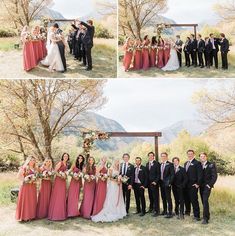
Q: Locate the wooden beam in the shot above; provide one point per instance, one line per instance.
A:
(135, 134)
(62, 20)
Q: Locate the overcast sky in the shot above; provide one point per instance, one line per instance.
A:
(153, 104)
(191, 11)
(74, 8)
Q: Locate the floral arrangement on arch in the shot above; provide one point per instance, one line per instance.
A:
(161, 27)
(90, 137)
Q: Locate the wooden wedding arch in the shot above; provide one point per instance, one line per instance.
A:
(106, 135)
(165, 26)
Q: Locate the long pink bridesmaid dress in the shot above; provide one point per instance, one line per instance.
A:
(145, 55)
(160, 55)
(73, 195)
(127, 60)
(167, 51)
(44, 197)
(88, 197)
(100, 193)
(27, 200)
(57, 206)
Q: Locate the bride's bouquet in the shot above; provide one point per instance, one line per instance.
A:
(124, 179)
(89, 178)
(29, 179)
(103, 177)
(61, 174)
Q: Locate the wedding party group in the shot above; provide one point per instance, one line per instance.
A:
(48, 49)
(106, 190)
(167, 54)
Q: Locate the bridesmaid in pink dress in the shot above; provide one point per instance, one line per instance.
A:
(137, 64)
(145, 53)
(29, 61)
(74, 188)
(128, 48)
(45, 190)
(27, 200)
(153, 52)
(88, 189)
(167, 50)
(160, 54)
(101, 186)
(57, 206)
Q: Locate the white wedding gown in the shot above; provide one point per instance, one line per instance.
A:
(114, 207)
(53, 58)
(173, 63)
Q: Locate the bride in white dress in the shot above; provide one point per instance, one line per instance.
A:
(53, 58)
(114, 207)
(173, 63)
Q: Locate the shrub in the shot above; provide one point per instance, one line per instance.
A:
(9, 163)
(7, 33)
(102, 32)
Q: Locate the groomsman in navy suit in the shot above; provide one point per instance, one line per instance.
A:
(140, 183)
(224, 49)
(153, 174)
(215, 49)
(178, 186)
(194, 173)
(208, 181)
(167, 178)
(127, 169)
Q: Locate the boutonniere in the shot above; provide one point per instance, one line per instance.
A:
(167, 164)
(191, 164)
(140, 170)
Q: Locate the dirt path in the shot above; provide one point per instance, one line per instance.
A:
(104, 60)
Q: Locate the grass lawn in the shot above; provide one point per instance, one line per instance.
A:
(222, 222)
(183, 72)
(104, 61)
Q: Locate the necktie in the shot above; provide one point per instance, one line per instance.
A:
(162, 170)
(150, 164)
(187, 166)
(137, 174)
(125, 169)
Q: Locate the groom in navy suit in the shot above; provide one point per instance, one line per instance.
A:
(61, 46)
(127, 169)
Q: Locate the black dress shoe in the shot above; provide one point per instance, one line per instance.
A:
(197, 218)
(168, 216)
(187, 214)
(155, 214)
(163, 213)
(150, 211)
(142, 214)
(137, 212)
(205, 222)
(88, 69)
(180, 217)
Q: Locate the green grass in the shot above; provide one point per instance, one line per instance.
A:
(184, 72)
(7, 44)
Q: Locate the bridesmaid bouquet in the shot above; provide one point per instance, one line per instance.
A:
(130, 49)
(160, 48)
(46, 174)
(75, 175)
(124, 179)
(103, 177)
(30, 179)
(89, 178)
(62, 175)
(138, 47)
(146, 47)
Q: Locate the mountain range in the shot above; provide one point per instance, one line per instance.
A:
(93, 121)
